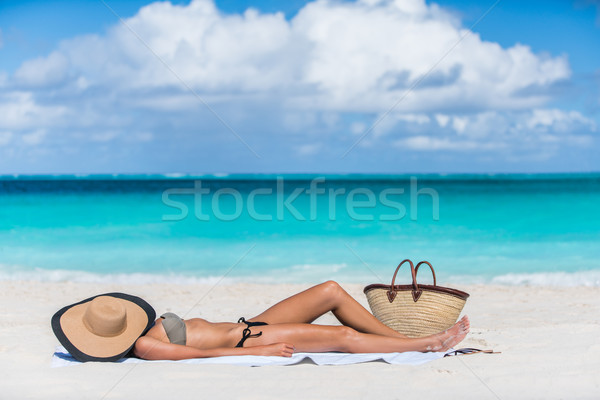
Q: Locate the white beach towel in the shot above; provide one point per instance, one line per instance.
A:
(62, 358)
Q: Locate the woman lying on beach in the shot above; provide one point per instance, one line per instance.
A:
(286, 328)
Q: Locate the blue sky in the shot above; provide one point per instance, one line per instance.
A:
(327, 86)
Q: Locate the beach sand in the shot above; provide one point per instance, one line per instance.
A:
(549, 339)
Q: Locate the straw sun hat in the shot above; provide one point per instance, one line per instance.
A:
(104, 327)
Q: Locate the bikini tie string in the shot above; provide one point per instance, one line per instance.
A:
(247, 333)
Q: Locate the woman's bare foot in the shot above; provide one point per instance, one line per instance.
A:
(450, 337)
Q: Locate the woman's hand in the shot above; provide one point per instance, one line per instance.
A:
(275, 349)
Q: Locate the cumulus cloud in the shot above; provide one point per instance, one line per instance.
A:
(390, 122)
(43, 71)
(427, 143)
(20, 111)
(442, 119)
(327, 57)
(335, 67)
(538, 129)
(558, 120)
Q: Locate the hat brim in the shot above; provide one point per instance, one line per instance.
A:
(85, 346)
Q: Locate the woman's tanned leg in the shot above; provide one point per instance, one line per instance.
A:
(310, 304)
(319, 338)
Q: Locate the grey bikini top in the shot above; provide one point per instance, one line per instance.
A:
(174, 327)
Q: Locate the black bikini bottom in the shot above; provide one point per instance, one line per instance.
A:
(247, 333)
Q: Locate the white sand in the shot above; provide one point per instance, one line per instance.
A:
(549, 339)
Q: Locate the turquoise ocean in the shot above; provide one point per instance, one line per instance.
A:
(504, 229)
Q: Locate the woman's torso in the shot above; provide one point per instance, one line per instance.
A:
(203, 334)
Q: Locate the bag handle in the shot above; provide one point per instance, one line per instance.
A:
(416, 292)
(430, 266)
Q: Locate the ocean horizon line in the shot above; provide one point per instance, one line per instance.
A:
(438, 176)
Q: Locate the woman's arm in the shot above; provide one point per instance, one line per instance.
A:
(150, 348)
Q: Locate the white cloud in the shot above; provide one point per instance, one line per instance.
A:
(20, 111)
(483, 124)
(522, 122)
(459, 124)
(331, 68)
(442, 119)
(356, 67)
(43, 71)
(389, 123)
(428, 143)
(539, 129)
(419, 119)
(328, 57)
(358, 128)
(559, 120)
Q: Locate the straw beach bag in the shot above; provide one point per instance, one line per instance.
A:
(415, 310)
